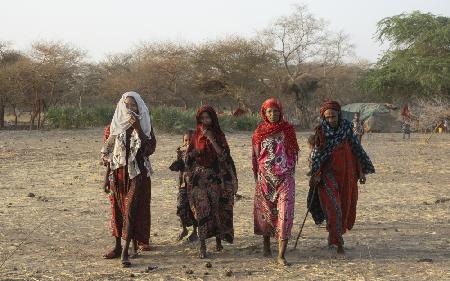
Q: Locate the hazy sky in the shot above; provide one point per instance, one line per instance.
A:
(107, 26)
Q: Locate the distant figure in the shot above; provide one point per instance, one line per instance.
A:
(183, 207)
(358, 126)
(406, 129)
(446, 125)
(238, 112)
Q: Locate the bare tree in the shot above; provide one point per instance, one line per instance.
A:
(303, 44)
(239, 66)
(55, 67)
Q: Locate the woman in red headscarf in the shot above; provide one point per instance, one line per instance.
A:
(275, 151)
(211, 180)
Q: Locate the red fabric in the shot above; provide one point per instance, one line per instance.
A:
(106, 133)
(329, 104)
(339, 191)
(130, 202)
(207, 154)
(266, 128)
(405, 111)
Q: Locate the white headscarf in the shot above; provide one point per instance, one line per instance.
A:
(120, 122)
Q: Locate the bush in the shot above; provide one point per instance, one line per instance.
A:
(69, 117)
(164, 119)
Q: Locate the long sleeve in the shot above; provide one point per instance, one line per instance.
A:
(255, 151)
(148, 145)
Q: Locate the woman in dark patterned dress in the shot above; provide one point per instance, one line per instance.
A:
(212, 181)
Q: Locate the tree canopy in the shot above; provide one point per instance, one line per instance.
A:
(417, 61)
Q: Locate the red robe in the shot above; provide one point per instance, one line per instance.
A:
(339, 191)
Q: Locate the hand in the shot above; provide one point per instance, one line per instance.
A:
(134, 122)
(314, 180)
(104, 160)
(362, 179)
(209, 135)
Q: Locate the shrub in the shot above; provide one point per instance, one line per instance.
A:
(164, 119)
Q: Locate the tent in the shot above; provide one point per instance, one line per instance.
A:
(377, 117)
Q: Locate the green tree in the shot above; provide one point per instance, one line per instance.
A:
(417, 62)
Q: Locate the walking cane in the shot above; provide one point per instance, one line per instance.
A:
(304, 220)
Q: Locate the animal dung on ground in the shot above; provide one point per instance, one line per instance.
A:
(228, 273)
(151, 268)
(31, 195)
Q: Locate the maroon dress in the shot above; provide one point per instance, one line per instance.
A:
(130, 198)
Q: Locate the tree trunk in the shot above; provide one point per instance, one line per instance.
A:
(15, 115)
(32, 116)
(2, 115)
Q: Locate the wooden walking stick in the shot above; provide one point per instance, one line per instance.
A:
(306, 215)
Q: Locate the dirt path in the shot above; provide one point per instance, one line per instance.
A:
(402, 230)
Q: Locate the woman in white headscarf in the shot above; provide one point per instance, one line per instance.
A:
(129, 141)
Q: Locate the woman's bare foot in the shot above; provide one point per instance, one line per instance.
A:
(113, 254)
(182, 234)
(282, 261)
(202, 253)
(340, 251)
(266, 247)
(193, 237)
(134, 251)
(125, 260)
(282, 246)
(219, 246)
(144, 247)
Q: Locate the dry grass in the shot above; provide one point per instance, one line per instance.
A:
(399, 224)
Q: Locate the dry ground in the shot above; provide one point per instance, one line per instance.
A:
(402, 230)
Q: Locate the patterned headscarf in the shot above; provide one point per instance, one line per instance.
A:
(329, 104)
(332, 137)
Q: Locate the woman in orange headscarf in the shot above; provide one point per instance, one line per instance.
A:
(211, 180)
(275, 152)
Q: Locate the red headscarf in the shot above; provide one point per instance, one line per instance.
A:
(266, 128)
(329, 104)
(200, 143)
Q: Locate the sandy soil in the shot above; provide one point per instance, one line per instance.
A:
(402, 230)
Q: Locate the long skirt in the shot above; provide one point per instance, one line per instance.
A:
(184, 211)
(130, 204)
(275, 216)
(212, 202)
(339, 193)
